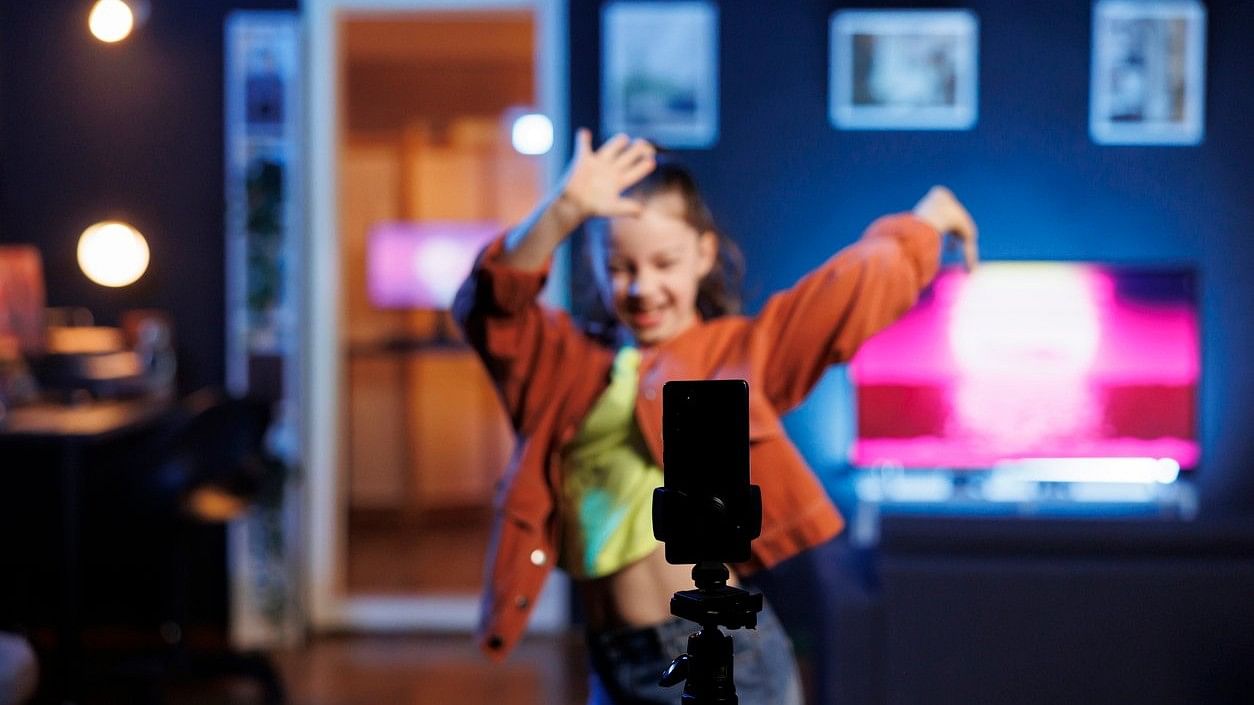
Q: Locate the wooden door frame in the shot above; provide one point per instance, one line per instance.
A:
(330, 606)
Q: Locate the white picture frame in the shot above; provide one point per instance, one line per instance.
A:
(659, 72)
(1147, 84)
(903, 70)
(265, 229)
(264, 142)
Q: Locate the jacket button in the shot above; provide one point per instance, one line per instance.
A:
(539, 557)
(495, 642)
(521, 602)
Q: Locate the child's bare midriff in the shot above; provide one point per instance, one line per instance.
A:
(636, 596)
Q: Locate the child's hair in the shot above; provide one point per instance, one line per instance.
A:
(718, 293)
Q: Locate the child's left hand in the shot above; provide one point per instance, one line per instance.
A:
(942, 210)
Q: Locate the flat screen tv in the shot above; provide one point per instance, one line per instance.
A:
(420, 264)
(1025, 361)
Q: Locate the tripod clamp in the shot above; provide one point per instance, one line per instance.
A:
(707, 665)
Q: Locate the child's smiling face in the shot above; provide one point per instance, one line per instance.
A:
(656, 263)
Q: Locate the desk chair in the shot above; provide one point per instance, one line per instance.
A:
(212, 463)
(210, 466)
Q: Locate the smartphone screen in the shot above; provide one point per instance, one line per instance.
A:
(705, 437)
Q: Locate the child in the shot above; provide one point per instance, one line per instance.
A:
(588, 415)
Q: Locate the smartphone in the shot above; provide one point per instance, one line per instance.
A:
(708, 510)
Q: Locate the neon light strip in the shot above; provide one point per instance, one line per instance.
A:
(1110, 470)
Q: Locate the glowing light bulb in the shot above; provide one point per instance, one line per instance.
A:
(111, 20)
(112, 253)
(532, 134)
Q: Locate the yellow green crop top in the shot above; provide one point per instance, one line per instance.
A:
(608, 482)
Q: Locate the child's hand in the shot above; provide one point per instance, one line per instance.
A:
(942, 210)
(595, 180)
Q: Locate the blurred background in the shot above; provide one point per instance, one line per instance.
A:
(245, 456)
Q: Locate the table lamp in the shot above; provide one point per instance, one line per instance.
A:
(112, 253)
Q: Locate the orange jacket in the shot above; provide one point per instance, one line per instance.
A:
(549, 374)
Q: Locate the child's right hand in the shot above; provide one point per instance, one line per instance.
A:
(595, 180)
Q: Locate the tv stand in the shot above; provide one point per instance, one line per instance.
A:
(1008, 494)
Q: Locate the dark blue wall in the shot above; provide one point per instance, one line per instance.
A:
(792, 190)
(90, 131)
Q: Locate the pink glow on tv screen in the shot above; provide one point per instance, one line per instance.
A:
(421, 264)
(1033, 360)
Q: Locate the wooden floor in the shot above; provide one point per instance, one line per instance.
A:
(403, 556)
(378, 670)
(433, 670)
(411, 555)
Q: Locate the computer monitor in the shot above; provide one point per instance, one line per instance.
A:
(420, 265)
(22, 298)
(1026, 361)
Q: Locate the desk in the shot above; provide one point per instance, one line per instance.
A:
(68, 431)
(94, 422)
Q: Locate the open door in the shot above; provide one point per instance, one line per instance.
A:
(413, 168)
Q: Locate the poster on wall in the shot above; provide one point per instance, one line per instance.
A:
(659, 72)
(903, 70)
(1148, 72)
(264, 226)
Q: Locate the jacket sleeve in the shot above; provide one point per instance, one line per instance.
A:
(519, 341)
(825, 317)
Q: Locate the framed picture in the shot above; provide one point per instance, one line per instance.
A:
(659, 72)
(903, 70)
(1149, 68)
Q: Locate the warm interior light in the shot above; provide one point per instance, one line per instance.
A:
(532, 134)
(111, 20)
(112, 253)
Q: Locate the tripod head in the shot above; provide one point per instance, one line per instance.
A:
(707, 514)
(714, 603)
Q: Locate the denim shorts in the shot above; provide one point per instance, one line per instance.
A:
(627, 663)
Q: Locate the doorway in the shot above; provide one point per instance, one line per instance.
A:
(411, 104)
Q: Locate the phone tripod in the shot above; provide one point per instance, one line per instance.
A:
(707, 666)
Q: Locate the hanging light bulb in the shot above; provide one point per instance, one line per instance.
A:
(111, 20)
(532, 133)
(113, 254)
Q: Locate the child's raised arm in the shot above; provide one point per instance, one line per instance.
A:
(830, 312)
(592, 186)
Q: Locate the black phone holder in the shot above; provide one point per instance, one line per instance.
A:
(708, 527)
(706, 669)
